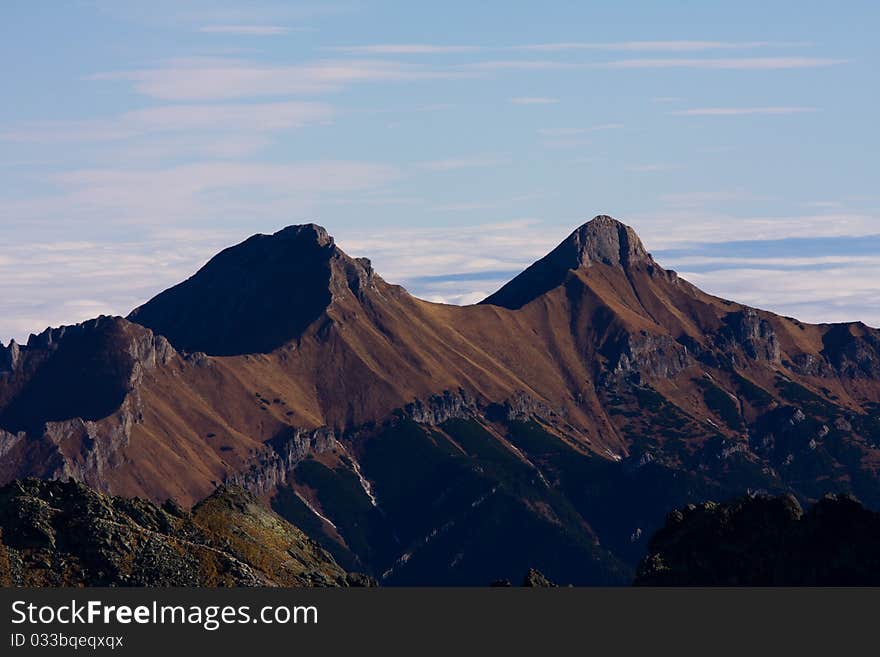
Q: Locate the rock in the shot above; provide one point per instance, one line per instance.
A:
(439, 408)
(853, 350)
(535, 579)
(271, 467)
(9, 357)
(751, 333)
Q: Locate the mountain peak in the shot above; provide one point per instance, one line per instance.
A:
(306, 232)
(250, 298)
(602, 240)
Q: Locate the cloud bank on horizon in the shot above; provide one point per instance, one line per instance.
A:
(739, 143)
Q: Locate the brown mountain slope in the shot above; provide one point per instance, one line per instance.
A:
(592, 393)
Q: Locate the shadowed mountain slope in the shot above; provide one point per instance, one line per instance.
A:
(761, 541)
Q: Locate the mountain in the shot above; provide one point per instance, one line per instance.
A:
(553, 426)
(56, 533)
(766, 541)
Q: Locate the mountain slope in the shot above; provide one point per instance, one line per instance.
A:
(584, 400)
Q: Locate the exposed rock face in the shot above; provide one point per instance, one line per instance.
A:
(604, 240)
(74, 395)
(65, 534)
(647, 356)
(521, 406)
(83, 371)
(273, 467)
(439, 408)
(9, 357)
(853, 351)
(753, 334)
(761, 541)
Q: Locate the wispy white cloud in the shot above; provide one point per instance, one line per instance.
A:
(568, 132)
(222, 78)
(254, 117)
(705, 198)
(452, 164)
(193, 195)
(659, 46)
(404, 49)
(533, 100)
(54, 283)
(656, 167)
(742, 111)
(417, 253)
(839, 294)
(722, 63)
(488, 204)
(565, 46)
(246, 30)
(683, 227)
(521, 65)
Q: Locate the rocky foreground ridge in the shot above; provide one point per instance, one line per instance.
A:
(56, 533)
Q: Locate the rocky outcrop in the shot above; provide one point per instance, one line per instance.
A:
(647, 356)
(853, 350)
(9, 357)
(535, 579)
(66, 534)
(274, 465)
(439, 408)
(763, 541)
(747, 331)
(74, 397)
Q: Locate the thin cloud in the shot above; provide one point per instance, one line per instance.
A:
(702, 198)
(217, 79)
(231, 127)
(522, 65)
(660, 46)
(682, 228)
(742, 111)
(246, 30)
(567, 132)
(652, 168)
(192, 195)
(730, 63)
(404, 49)
(453, 164)
(564, 46)
(534, 100)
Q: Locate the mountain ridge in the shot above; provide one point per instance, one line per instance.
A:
(594, 379)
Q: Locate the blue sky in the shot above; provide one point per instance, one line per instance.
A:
(453, 143)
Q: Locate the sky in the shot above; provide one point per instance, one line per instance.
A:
(452, 143)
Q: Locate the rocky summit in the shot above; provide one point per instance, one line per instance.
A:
(552, 426)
